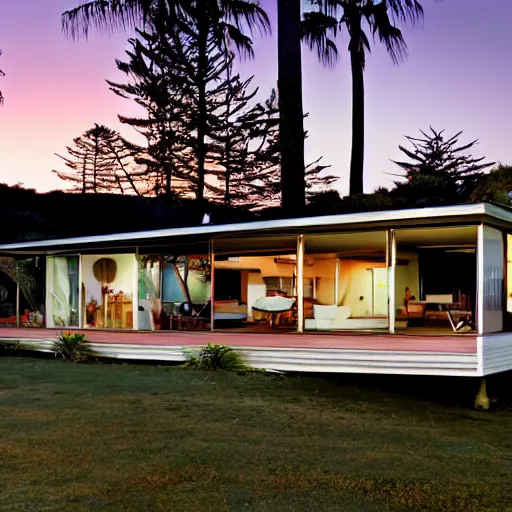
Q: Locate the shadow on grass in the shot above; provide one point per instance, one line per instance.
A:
(446, 391)
(136, 437)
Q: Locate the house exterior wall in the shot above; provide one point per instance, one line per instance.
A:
(495, 353)
(490, 270)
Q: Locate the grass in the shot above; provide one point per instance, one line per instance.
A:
(131, 438)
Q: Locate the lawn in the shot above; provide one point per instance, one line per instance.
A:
(80, 437)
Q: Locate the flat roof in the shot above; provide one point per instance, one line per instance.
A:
(432, 216)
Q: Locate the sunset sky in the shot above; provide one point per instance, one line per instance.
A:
(458, 76)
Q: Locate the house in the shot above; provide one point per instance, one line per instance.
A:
(420, 291)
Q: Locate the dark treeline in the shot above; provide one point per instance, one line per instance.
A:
(437, 170)
(29, 215)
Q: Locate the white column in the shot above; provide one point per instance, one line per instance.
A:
(81, 305)
(212, 283)
(135, 294)
(300, 283)
(48, 306)
(337, 281)
(391, 262)
(18, 312)
(480, 279)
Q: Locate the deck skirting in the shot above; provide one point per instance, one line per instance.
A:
(316, 360)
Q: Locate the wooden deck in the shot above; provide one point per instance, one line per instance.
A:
(440, 344)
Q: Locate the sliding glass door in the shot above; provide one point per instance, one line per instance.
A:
(63, 291)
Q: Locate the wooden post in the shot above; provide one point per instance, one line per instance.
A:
(212, 283)
(391, 261)
(300, 283)
(482, 400)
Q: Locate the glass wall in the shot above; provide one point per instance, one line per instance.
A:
(350, 279)
(62, 301)
(109, 283)
(7, 294)
(436, 280)
(174, 292)
(257, 292)
(30, 275)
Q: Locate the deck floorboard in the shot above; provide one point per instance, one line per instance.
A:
(463, 344)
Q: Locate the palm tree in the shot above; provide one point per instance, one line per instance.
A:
(197, 19)
(106, 16)
(291, 117)
(381, 19)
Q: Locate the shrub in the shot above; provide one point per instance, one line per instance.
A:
(217, 357)
(74, 347)
(8, 347)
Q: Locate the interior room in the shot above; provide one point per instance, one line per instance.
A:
(434, 281)
(347, 282)
(108, 286)
(443, 298)
(354, 294)
(7, 299)
(346, 285)
(30, 274)
(174, 292)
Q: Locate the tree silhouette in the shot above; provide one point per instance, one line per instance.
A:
(496, 187)
(266, 189)
(321, 28)
(156, 83)
(233, 18)
(241, 137)
(207, 23)
(291, 118)
(440, 170)
(100, 162)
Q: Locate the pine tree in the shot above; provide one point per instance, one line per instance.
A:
(158, 86)
(100, 161)
(268, 158)
(124, 174)
(440, 171)
(239, 142)
(206, 136)
(177, 73)
(250, 155)
(81, 163)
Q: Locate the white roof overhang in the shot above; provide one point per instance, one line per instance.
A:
(257, 235)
